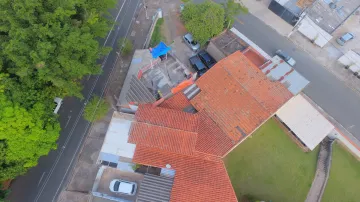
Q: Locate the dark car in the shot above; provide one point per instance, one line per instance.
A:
(206, 58)
(198, 65)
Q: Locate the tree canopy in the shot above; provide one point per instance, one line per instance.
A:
(46, 48)
(96, 109)
(52, 42)
(203, 20)
(25, 135)
(208, 19)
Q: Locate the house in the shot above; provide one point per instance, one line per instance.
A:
(273, 67)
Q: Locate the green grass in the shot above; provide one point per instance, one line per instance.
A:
(269, 166)
(157, 36)
(344, 180)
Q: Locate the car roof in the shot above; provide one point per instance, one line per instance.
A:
(347, 36)
(189, 36)
(125, 187)
(196, 60)
(205, 55)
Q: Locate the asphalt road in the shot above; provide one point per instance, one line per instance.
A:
(331, 94)
(44, 182)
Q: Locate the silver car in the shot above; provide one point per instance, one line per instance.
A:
(286, 57)
(188, 38)
(345, 38)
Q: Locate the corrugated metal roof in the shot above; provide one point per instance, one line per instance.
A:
(308, 124)
(279, 70)
(155, 189)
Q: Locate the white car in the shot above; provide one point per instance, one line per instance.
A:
(58, 102)
(123, 187)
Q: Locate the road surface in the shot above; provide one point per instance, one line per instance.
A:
(44, 182)
(331, 94)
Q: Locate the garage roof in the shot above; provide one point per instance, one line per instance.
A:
(116, 139)
(308, 124)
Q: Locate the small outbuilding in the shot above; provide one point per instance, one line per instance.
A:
(305, 121)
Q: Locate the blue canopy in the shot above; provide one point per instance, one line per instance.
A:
(159, 50)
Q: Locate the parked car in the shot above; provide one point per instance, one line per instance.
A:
(286, 57)
(344, 38)
(58, 103)
(198, 65)
(123, 187)
(206, 58)
(189, 40)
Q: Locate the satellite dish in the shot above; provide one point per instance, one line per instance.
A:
(168, 166)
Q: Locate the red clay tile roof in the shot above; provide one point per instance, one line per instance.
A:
(172, 140)
(211, 139)
(167, 118)
(238, 96)
(196, 179)
(178, 102)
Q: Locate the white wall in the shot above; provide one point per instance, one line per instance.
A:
(313, 32)
(281, 2)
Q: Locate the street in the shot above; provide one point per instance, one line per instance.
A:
(331, 94)
(44, 182)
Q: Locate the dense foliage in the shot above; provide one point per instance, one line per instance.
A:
(203, 20)
(208, 19)
(125, 46)
(46, 47)
(96, 109)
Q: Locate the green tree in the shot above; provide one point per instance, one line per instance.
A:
(203, 20)
(125, 46)
(232, 9)
(25, 135)
(52, 42)
(96, 109)
(46, 48)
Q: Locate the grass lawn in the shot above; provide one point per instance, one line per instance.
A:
(157, 36)
(269, 166)
(344, 180)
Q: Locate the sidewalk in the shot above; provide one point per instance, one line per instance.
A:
(326, 56)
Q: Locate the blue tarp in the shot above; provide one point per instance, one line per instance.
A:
(159, 50)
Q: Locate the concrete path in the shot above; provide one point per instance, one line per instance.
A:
(322, 172)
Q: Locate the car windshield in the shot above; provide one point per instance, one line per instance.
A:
(116, 186)
(347, 37)
(193, 43)
(133, 189)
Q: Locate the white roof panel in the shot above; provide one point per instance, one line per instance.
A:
(117, 135)
(309, 125)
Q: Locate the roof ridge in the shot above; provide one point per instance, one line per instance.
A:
(150, 124)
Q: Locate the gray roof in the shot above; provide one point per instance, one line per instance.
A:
(155, 189)
(138, 92)
(329, 19)
(278, 70)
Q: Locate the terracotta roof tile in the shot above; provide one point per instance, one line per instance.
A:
(211, 139)
(271, 94)
(238, 96)
(178, 102)
(167, 118)
(196, 179)
(172, 140)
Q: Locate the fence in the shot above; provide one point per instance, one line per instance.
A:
(283, 12)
